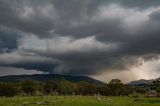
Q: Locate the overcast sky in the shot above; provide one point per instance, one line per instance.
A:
(104, 39)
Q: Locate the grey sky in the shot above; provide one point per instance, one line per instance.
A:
(79, 37)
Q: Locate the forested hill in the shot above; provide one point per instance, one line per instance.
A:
(141, 82)
(46, 77)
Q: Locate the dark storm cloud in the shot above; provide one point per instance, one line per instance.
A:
(155, 16)
(41, 18)
(141, 4)
(8, 40)
(17, 59)
(25, 16)
(41, 66)
(130, 25)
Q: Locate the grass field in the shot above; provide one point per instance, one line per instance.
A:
(79, 101)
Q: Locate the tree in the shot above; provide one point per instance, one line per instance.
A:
(49, 87)
(86, 88)
(156, 84)
(64, 87)
(116, 86)
(104, 90)
(29, 87)
(7, 89)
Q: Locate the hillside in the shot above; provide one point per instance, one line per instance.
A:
(45, 77)
(141, 82)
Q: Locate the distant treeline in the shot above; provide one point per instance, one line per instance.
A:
(63, 87)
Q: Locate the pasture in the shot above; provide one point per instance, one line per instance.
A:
(78, 101)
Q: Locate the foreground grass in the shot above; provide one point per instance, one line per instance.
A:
(80, 101)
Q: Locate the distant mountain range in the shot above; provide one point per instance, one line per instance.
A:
(45, 77)
(56, 77)
(141, 82)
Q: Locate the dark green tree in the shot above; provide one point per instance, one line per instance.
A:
(49, 87)
(29, 87)
(156, 84)
(116, 87)
(8, 89)
(85, 88)
(64, 87)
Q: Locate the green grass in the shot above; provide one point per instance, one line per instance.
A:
(80, 101)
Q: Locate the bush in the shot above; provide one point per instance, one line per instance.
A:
(8, 90)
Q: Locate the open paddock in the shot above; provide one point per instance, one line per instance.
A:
(79, 101)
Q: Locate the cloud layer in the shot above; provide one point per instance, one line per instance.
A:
(79, 37)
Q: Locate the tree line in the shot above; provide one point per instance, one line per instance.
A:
(63, 87)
